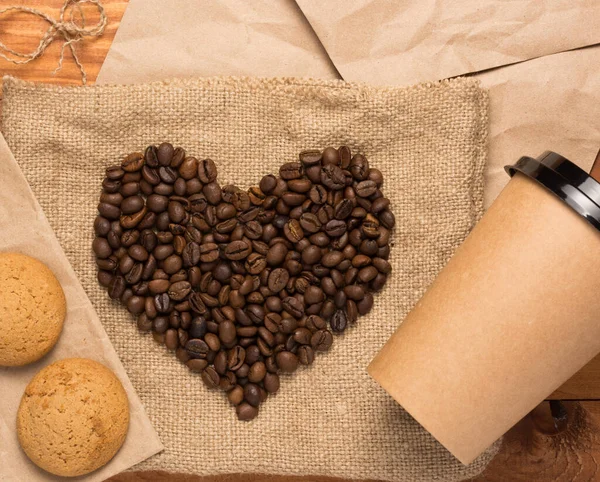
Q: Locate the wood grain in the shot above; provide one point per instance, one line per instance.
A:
(22, 32)
(536, 449)
(540, 448)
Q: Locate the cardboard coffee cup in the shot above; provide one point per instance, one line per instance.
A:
(513, 315)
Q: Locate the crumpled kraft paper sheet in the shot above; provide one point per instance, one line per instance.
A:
(170, 38)
(25, 229)
(551, 103)
(402, 43)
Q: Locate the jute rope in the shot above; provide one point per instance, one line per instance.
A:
(69, 30)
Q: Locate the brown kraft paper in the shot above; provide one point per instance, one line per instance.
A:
(169, 38)
(25, 229)
(401, 43)
(511, 317)
(330, 419)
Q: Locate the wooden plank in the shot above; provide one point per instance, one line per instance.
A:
(540, 448)
(584, 385)
(22, 32)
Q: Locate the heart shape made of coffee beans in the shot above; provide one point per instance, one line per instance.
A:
(243, 285)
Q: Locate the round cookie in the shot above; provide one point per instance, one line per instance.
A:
(32, 310)
(73, 417)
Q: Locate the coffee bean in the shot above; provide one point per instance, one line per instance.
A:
(321, 340)
(209, 252)
(245, 411)
(333, 177)
(101, 248)
(196, 364)
(191, 254)
(237, 250)
(293, 306)
(188, 168)
(338, 321)
(197, 348)
(165, 153)
(212, 341)
(286, 361)
(171, 339)
(332, 259)
(179, 290)
(366, 188)
(236, 358)
(207, 171)
(278, 279)
(359, 167)
(290, 170)
(306, 355)
(335, 227)
(133, 162)
(210, 377)
(257, 372)
(293, 230)
(310, 157)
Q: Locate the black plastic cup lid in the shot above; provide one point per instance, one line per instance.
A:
(566, 180)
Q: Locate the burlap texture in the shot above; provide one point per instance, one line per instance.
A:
(330, 418)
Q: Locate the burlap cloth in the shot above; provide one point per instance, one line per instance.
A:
(329, 419)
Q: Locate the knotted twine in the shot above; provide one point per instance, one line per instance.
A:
(69, 30)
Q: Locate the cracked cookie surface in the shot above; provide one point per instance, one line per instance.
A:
(73, 417)
(32, 311)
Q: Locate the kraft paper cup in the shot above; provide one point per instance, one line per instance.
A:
(513, 315)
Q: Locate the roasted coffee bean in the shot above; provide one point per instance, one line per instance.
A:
(162, 302)
(286, 361)
(315, 323)
(210, 377)
(293, 231)
(197, 348)
(335, 227)
(236, 357)
(133, 162)
(101, 248)
(207, 171)
(245, 411)
(237, 250)
(165, 153)
(338, 321)
(290, 170)
(364, 306)
(196, 364)
(257, 372)
(191, 254)
(331, 156)
(114, 173)
(310, 157)
(271, 382)
(179, 290)
(359, 167)
(111, 186)
(293, 306)
(321, 340)
(209, 252)
(305, 354)
(333, 177)
(101, 226)
(278, 279)
(158, 286)
(310, 223)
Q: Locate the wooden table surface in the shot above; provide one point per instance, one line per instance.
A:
(558, 441)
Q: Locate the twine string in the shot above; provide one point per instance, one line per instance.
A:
(69, 30)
